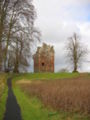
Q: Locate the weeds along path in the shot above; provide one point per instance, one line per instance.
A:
(12, 108)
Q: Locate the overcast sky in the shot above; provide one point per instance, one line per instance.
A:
(57, 20)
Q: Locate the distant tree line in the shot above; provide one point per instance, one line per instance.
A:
(17, 33)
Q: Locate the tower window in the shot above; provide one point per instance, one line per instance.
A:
(43, 64)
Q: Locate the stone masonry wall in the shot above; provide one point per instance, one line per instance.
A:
(44, 59)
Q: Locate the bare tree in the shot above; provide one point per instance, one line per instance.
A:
(20, 53)
(3, 14)
(17, 18)
(75, 51)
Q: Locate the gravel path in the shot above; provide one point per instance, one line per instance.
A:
(12, 108)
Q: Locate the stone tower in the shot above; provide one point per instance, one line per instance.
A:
(44, 59)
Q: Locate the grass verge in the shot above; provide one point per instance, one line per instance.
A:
(3, 103)
(3, 78)
(3, 93)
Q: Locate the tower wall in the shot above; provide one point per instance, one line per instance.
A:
(44, 59)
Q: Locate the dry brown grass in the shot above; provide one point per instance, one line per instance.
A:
(68, 95)
(23, 82)
(2, 83)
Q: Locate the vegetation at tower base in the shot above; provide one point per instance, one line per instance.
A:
(17, 33)
(44, 59)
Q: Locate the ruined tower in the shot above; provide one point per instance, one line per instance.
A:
(44, 59)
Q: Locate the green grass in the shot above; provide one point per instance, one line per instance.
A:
(33, 109)
(44, 76)
(3, 103)
(3, 94)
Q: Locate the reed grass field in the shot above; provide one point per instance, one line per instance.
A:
(69, 95)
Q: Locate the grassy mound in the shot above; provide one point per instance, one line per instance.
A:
(44, 76)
